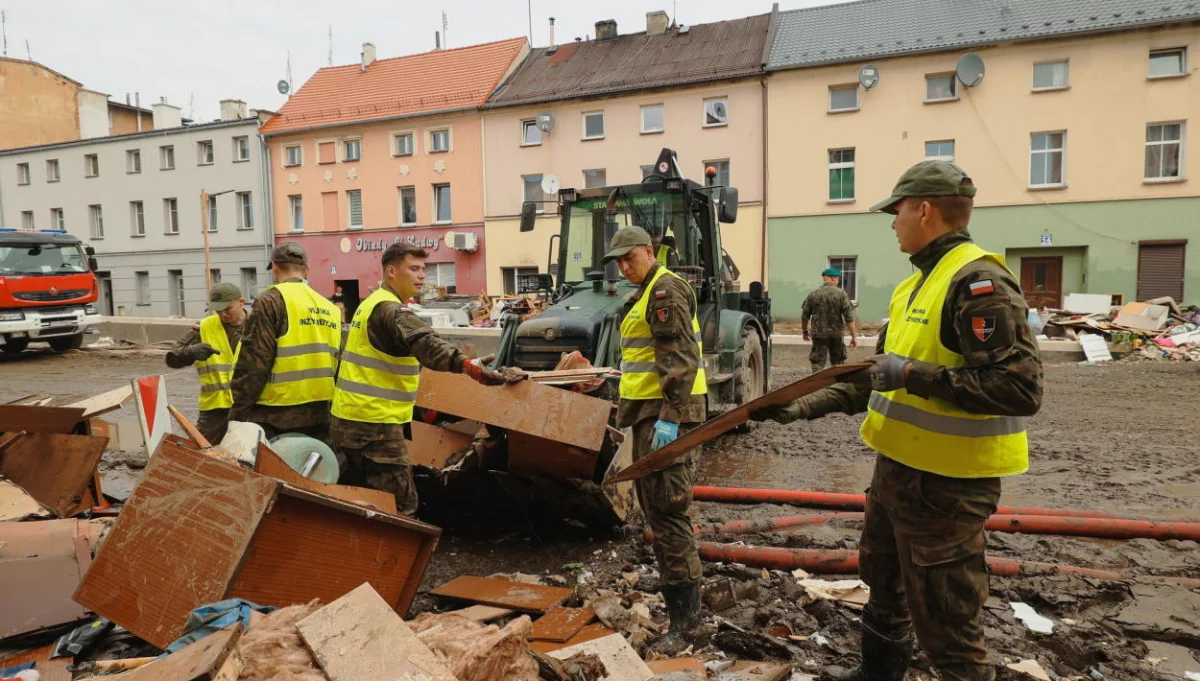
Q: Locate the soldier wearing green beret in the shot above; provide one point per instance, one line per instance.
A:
(827, 315)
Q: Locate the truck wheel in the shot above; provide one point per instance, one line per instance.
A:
(748, 366)
(64, 343)
(15, 346)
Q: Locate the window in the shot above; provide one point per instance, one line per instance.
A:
(843, 98)
(941, 88)
(96, 221)
(440, 274)
(52, 170)
(245, 206)
(441, 203)
(137, 218)
(402, 144)
(354, 200)
(510, 274)
(143, 287)
(716, 112)
(91, 165)
(133, 161)
(942, 150)
(652, 119)
(1168, 63)
(296, 212)
(593, 125)
(326, 152)
(722, 176)
(22, 173)
(204, 153)
(1050, 76)
(215, 276)
(27, 219)
(166, 157)
(1164, 148)
(1046, 159)
(351, 150)
(408, 205)
(439, 141)
(212, 213)
(57, 219)
(594, 178)
(176, 290)
(533, 190)
(293, 155)
(647, 171)
(849, 267)
(249, 283)
(841, 175)
(531, 134)
(241, 149)
(170, 216)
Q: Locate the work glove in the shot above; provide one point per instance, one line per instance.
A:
(885, 374)
(793, 411)
(201, 351)
(665, 432)
(479, 372)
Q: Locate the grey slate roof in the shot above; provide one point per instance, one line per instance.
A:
(869, 29)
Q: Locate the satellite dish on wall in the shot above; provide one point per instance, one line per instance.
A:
(550, 184)
(868, 76)
(969, 70)
(545, 122)
(283, 86)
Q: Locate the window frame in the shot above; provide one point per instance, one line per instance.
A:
(133, 161)
(1183, 62)
(137, 219)
(400, 205)
(431, 134)
(530, 124)
(171, 215)
(96, 220)
(706, 124)
(24, 175)
(213, 223)
(1182, 144)
(1066, 63)
(58, 218)
(412, 142)
(248, 276)
(953, 88)
(342, 147)
(28, 220)
(941, 157)
(142, 280)
(287, 155)
(237, 148)
(245, 207)
(1061, 150)
(295, 201)
(583, 119)
(716, 163)
(350, 226)
(844, 86)
(642, 119)
(91, 165)
(164, 151)
(57, 176)
(603, 183)
(333, 151)
(841, 266)
(437, 204)
(831, 166)
(541, 207)
(201, 145)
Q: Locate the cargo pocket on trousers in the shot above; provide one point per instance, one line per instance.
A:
(953, 576)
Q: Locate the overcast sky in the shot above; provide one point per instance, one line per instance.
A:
(197, 53)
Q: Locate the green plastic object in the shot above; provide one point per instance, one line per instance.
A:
(297, 449)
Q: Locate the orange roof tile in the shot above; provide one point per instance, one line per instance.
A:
(400, 86)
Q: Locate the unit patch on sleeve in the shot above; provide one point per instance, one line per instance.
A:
(662, 314)
(983, 327)
(981, 287)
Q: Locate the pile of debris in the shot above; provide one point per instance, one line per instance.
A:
(490, 310)
(1154, 329)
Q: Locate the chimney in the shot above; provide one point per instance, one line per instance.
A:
(606, 30)
(167, 116)
(551, 31)
(437, 40)
(656, 22)
(232, 109)
(127, 101)
(368, 55)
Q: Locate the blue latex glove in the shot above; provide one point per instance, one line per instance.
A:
(665, 433)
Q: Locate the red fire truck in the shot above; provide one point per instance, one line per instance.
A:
(47, 290)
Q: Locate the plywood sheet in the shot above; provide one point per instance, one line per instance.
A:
(200, 661)
(55, 469)
(589, 633)
(269, 464)
(502, 593)
(41, 564)
(560, 624)
(619, 658)
(358, 637)
(14, 417)
(433, 446)
(543, 411)
(48, 669)
(531, 455)
(483, 613)
(715, 427)
(104, 402)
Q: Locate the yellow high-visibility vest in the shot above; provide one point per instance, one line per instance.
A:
(935, 435)
(216, 372)
(373, 386)
(306, 356)
(639, 380)
(663, 252)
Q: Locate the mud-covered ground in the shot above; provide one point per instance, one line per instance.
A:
(1119, 438)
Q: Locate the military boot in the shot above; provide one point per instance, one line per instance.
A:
(683, 609)
(883, 658)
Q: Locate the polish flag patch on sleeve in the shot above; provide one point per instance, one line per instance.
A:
(979, 288)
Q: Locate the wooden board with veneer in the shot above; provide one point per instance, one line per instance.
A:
(56, 470)
(504, 594)
(434, 446)
(14, 417)
(560, 624)
(212, 658)
(268, 463)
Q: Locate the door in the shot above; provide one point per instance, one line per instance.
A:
(106, 296)
(350, 295)
(1041, 281)
(175, 294)
(1160, 270)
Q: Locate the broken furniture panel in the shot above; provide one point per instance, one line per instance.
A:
(532, 455)
(17, 504)
(41, 564)
(269, 464)
(434, 446)
(503, 593)
(48, 669)
(589, 633)
(17, 417)
(620, 660)
(560, 624)
(104, 402)
(55, 469)
(212, 658)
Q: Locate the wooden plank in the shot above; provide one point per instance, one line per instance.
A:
(620, 660)
(504, 594)
(677, 664)
(531, 455)
(589, 633)
(560, 624)
(39, 419)
(48, 669)
(55, 469)
(104, 402)
(269, 464)
(433, 446)
(483, 613)
(189, 428)
(543, 411)
(715, 427)
(203, 660)
(41, 564)
(359, 638)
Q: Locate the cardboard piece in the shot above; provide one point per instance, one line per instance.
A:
(619, 658)
(198, 530)
(433, 446)
(18, 417)
(1143, 316)
(1095, 348)
(268, 463)
(359, 637)
(715, 427)
(1087, 303)
(212, 658)
(41, 564)
(560, 624)
(55, 469)
(503, 593)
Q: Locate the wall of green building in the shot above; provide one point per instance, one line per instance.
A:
(1099, 242)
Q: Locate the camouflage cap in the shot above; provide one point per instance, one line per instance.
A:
(928, 178)
(625, 240)
(223, 295)
(289, 253)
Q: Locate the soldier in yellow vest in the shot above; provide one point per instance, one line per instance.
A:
(663, 392)
(212, 345)
(958, 372)
(379, 376)
(283, 380)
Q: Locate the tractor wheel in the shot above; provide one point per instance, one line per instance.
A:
(748, 379)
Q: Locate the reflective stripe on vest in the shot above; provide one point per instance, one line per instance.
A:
(306, 356)
(216, 372)
(933, 434)
(373, 386)
(639, 380)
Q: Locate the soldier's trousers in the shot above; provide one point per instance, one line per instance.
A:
(665, 497)
(213, 423)
(922, 553)
(383, 465)
(832, 350)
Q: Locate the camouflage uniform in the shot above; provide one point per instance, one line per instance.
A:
(827, 310)
(665, 496)
(212, 423)
(923, 544)
(375, 453)
(264, 328)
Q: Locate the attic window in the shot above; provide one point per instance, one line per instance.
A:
(716, 112)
